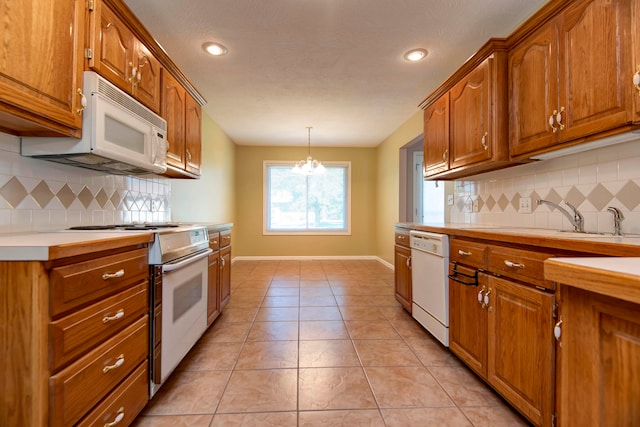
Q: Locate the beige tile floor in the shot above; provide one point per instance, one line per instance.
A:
(321, 343)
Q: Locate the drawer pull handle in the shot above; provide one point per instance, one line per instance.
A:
(117, 419)
(464, 253)
(118, 315)
(107, 276)
(119, 362)
(513, 264)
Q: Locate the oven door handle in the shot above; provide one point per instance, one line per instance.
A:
(166, 268)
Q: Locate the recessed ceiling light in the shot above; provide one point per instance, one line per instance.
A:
(215, 49)
(415, 55)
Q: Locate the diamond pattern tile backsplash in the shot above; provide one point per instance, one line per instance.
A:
(37, 195)
(591, 181)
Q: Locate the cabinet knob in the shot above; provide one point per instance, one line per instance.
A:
(484, 141)
(119, 417)
(119, 273)
(119, 362)
(559, 118)
(552, 119)
(557, 330)
(636, 80)
(83, 101)
(118, 315)
(512, 264)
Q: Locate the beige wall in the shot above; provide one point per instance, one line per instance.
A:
(211, 198)
(248, 238)
(388, 184)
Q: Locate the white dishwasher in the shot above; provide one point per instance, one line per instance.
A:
(430, 285)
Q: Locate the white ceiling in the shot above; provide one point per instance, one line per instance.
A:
(335, 65)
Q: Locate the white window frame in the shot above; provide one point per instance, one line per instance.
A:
(265, 192)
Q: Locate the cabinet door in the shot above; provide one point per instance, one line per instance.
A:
(436, 136)
(41, 64)
(113, 46)
(403, 276)
(470, 114)
(193, 136)
(533, 91)
(521, 348)
(225, 276)
(213, 291)
(595, 67)
(468, 322)
(635, 25)
(599, 360)
(173, 111)
(147, 86)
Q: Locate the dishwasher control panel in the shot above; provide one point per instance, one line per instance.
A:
(437, 244)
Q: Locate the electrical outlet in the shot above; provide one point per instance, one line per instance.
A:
(474, 206)
(525, 205)
(450, 199)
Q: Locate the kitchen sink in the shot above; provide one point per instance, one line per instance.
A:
(562, 234)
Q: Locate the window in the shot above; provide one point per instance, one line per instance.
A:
(300, 204)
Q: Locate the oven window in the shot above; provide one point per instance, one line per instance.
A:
(186, 296)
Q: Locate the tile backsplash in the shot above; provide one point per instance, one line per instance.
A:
(591, 181)
(37, 195)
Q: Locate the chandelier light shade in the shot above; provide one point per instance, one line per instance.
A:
(308, 166)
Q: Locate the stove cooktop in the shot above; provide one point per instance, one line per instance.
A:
(125, 227)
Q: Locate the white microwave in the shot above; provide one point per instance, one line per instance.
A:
(119, 135)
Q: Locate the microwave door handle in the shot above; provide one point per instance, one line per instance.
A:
(166, 268)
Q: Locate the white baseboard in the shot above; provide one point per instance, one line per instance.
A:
(311, 258)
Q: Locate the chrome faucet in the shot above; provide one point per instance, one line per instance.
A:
(617, 220)
(576, 219)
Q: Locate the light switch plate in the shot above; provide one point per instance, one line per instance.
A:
(525, 205)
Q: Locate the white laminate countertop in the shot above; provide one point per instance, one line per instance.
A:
(621, 265)
(36, 246)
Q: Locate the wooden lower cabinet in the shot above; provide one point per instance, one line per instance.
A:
(219, 290)
(225, 276)
(521, 356)
(402, 273)
(503, 331)
(599, 357)
(468, 322)
(75, 337)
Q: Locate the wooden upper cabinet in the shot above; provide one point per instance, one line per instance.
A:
(635, 25)
(436, 136)
(184, 120)
(147, 86)
(121, 58)
(532, 85)
(41, 70)
(571, 79)
(193, 136)
(173, 111)
(466, 121)
(471, 111)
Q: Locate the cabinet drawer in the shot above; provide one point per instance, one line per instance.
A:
(468, 253)
(519, 264)
(80, 283)
(126, 401)
(77, 388)
(225, 238)
(402, 238)
(214, 240)
(77, 333)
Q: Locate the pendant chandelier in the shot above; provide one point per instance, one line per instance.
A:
(308, 166)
